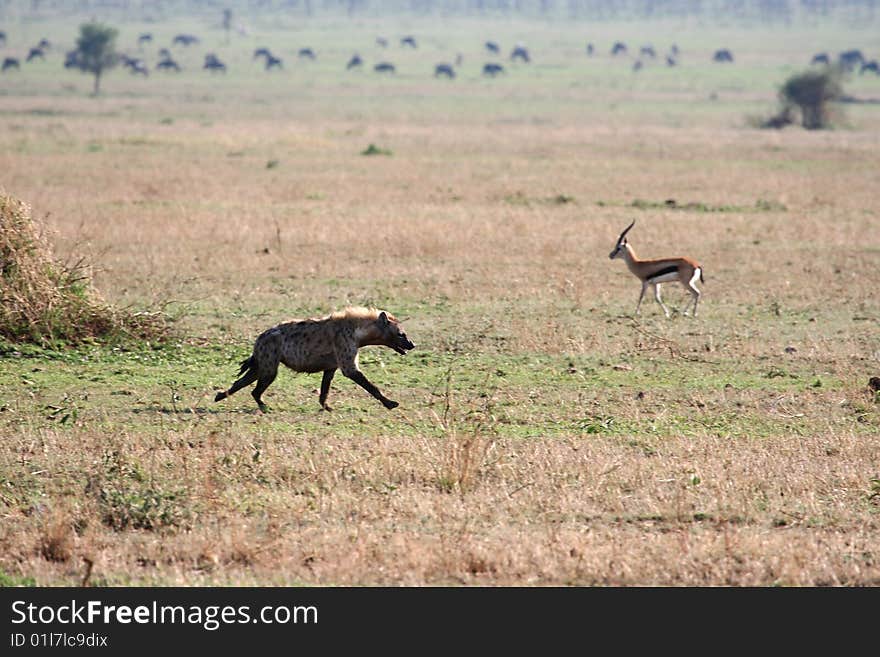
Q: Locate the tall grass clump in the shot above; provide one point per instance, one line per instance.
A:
(46, 303)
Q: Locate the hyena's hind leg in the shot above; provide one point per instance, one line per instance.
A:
(248, 367)
(267, 354)
(265, 380)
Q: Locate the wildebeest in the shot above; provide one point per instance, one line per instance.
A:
(722, 55)
(273, 62)
(870, 67)
(262, 52)
(673, 50)
(306, 53)
(637, 66)
(619, 48)
(213, 64)
(354, 62)
(408, 40)
(185, 40)
(849, 59)
(44, 44)
(670, 60)
(384, 67)
(2, 38)
(321, 345)
(821, 58)
(492, 69)
(35, 53)
(138, 67)
(520, 52)
(168, 64)
(10, 62)
(146, 37)
(382, 42)
(444, 70)
(133, 64)
(71, 59)
(590, 50)
(648, 51)
(164, 53)
(492, 47)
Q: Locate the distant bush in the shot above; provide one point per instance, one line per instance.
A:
(372, 149)
(44, 302)
(807, 94)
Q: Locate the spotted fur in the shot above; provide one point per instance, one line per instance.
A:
(321, 345)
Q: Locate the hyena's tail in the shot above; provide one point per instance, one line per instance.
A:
(247, 364)
(701, 275)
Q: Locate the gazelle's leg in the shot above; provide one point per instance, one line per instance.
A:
(641, 296)
(684, 310)
(692, 288)
(657, 296)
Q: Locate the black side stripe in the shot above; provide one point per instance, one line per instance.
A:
(673, 269)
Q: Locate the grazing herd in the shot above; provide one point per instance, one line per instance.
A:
(646, 53)
(849, 60)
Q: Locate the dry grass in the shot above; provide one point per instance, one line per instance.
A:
(378, 510)
(545, 437)
(45, 302)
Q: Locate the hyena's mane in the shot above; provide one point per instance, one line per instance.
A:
(360, 312)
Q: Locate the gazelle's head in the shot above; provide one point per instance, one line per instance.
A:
(620, 247)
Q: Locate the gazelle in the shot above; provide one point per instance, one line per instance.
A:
(660, 270)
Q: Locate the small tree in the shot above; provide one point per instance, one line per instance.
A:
(811, 92)
(96, 50)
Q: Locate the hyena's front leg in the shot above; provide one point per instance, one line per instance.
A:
(358, 377)
(325, 388)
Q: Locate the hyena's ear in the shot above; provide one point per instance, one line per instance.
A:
(383, 319)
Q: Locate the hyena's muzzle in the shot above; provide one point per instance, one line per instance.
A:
(401, 344)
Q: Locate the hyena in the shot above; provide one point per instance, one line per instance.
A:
(321, 345)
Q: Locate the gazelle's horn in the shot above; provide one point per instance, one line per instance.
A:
(626, 230)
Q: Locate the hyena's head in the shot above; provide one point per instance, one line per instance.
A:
(391, 334)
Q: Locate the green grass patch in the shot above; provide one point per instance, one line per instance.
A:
(150, 390)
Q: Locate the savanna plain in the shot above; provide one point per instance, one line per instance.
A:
(545, 434)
